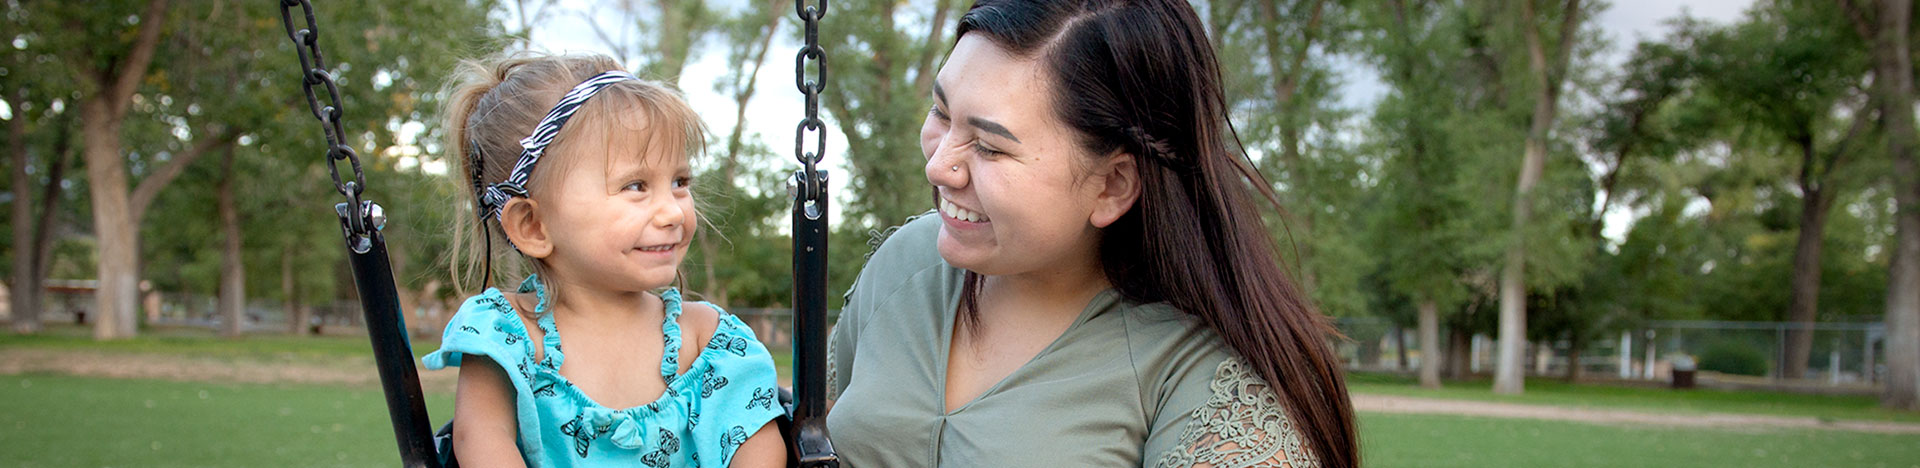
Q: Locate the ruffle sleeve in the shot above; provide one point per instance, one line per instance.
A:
(733, 388)
(486, 325)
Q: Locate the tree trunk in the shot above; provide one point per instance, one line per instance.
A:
(1893, 75)
(24, 300)
(1459, 354)
(233, 274)
(296, 321)
(1814, 207)
(1429, 344)
(116, 235)
(1400, 344)
(1573, 360)
(62, 157)
(117, 295)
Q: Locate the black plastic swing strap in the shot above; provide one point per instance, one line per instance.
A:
(360, 222)
(808, 441)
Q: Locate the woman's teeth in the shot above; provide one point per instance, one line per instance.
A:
(956, 212)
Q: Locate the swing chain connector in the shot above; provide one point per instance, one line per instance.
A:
(314, 74)
(370, 215)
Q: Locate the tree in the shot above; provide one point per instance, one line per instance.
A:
(1547, 73)
(111, 76)
(1887, 25)
(1415, 200)
(1288, 95)
(39, 140)
(748, 267)
(1783, 72)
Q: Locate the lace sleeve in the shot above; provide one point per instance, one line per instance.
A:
(833, 367)
(1241, 425)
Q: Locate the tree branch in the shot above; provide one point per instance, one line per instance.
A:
(129, 72)
(619, 47)
(150, 186)
(1860, 119)
(1284, 88)
(1858, 18)
(1569, 26)
(923, 68)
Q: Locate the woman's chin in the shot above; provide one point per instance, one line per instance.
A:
(960, 255)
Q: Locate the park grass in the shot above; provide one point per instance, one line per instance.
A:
(1556, 392)
(1389, 440)
(82, 421)
(54, 420)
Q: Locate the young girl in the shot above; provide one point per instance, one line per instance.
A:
(582, 170)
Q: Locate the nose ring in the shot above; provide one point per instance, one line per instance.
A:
(956, 168)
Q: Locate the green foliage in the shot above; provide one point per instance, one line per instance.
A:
(1734, 357)
(1406, 200)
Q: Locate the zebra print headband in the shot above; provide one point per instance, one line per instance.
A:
(495, 196)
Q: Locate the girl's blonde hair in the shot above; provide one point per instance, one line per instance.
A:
(493, 103)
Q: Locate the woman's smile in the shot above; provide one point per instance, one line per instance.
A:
(956, 213)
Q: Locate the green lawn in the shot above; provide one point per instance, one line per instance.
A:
(48, 420)
(52, 420)
(1560, 393)
(1444, 441)
(77, 421)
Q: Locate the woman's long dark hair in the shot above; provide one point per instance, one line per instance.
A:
(1140, 76)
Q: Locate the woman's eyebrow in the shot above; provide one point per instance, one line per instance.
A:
(983, 124)
(990, 127)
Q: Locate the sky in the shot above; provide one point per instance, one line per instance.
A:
(776, 109)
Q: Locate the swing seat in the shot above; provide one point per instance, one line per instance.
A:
(443, 438)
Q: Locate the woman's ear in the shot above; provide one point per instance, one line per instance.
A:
(522, 225)
(1118, 179)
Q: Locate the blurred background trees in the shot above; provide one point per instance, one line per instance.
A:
(1448, 167)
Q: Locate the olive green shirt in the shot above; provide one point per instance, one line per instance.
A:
(1127, 384)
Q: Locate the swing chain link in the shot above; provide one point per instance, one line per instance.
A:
(313, 73)
(811, 181)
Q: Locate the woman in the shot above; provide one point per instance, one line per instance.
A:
(1097, 288)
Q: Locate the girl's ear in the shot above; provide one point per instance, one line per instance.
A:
(522, 225)
(1118, 179)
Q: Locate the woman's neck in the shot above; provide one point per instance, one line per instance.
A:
(1063, 290)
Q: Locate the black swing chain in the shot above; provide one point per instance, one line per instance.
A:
(313, 73)
(811, 183)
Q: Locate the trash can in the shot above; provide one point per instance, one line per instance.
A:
(1683, 368)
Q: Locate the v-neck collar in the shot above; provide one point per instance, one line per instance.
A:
(1102, 301)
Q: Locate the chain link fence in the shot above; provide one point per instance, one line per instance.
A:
(1843, 354)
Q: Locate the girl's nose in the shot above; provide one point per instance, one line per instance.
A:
(670, 215)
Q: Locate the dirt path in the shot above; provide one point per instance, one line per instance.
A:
(360, 372)
(1414, 405)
